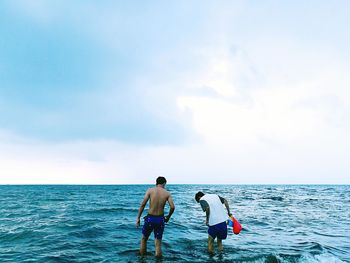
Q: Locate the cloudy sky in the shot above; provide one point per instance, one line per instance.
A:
(200, 91)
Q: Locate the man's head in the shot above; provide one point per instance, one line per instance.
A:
(161, 180)
(198, 196)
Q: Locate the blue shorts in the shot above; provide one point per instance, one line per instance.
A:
(153, 224)
(218, 230)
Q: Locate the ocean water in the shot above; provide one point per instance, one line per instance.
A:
(57, 223)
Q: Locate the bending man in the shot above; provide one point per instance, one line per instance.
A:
(216, 217)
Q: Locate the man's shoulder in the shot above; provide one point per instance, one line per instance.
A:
(150, 190)
(161, 190)
(213, 196)
(166, 192)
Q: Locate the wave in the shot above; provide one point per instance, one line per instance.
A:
(311, 200)
(325, 234)
(112, 210)
(274, 198)
(321, 258)
(282, 258)
(193, 256)
(89, 233)
(16, 236)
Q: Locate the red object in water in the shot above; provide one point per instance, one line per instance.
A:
(236, 226)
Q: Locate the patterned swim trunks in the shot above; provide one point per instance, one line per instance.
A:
(155, 224)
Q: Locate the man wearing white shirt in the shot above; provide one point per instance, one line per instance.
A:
(216, 217)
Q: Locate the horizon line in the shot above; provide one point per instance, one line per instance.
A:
(116, 184)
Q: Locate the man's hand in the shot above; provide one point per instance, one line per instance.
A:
(137, 222)
(166, 219)
(206, 222)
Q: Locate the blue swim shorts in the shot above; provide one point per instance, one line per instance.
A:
(155, 224)
(218, 230)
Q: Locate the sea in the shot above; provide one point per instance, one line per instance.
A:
(96, 223)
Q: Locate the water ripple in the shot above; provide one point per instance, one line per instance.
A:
(97, 224)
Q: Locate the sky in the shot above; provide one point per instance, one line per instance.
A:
(210, 92)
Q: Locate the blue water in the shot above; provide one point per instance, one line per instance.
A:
(97, 224)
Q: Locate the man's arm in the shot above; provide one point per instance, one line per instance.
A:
(205, 206)
(227, 207)
(142, 207)
(172, 208)
(207, 213)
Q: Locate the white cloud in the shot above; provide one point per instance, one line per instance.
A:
(35, 162)
(276, 114)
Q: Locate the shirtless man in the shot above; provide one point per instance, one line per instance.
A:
(154, 221)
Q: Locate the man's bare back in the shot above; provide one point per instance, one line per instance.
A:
(158, 197)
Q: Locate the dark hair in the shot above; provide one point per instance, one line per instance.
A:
(161, 180)
(198, 196)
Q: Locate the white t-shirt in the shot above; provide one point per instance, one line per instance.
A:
(217, 212)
